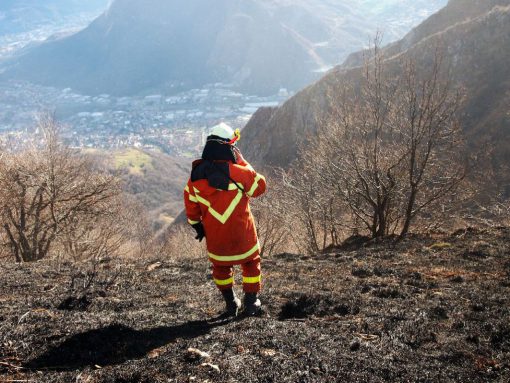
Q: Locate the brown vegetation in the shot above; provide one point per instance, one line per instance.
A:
(53, 199)
(271, 219)
(159, 187)
(154, 180)
(390, 151)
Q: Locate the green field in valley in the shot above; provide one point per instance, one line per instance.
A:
(134, 160)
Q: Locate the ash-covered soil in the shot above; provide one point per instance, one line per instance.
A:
(426, 310)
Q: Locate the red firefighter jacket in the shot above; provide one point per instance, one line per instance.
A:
(224, 209)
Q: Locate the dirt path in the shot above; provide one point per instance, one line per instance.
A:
(430, 310)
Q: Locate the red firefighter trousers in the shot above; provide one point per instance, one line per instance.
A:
(224, 276)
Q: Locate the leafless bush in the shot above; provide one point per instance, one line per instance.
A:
(314, 216)
(389, 152)
(53, 197)
(491, 209)
(138, 227)
(271, 219)
(121, 228)
(181, 244)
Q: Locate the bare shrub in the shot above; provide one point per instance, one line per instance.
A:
(271, 219)
(137, 227)
(52, 196)
(180, 243)
(120, 228)
(316, 221)
(480, 201)
(487, 210)
(389, 152)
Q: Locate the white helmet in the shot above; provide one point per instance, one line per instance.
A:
(222, 130)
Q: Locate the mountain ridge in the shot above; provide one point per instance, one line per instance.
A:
(257, 47)
(470, 44)
(444, 17)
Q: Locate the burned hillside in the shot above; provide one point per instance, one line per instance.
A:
(429, 309)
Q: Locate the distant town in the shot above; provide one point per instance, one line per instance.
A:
(173, 124)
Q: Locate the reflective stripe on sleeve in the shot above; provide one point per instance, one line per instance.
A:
(255, 184)
(252, 279)
(191, 222)
(228, 258)
(191, 197)
(224, 282)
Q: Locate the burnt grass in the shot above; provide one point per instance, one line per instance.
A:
(429, 309)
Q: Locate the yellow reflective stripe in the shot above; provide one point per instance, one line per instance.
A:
(233, 186)
(192, 198)
(191, 222)
(226, 215)
(224, 282)
(228, 258)
(255, 184)
(252, 279)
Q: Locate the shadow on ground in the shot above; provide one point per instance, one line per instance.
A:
(115, 344)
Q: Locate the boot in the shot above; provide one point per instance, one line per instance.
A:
(233, 303)
(252, 305)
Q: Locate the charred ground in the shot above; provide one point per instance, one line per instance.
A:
(430, 309)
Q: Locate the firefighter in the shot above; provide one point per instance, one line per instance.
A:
(217, 199)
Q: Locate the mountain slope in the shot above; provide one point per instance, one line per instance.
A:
(256, 45)
(154, 179)
(477, 41)
(458, 11)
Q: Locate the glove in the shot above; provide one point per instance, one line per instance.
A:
(199, 228)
